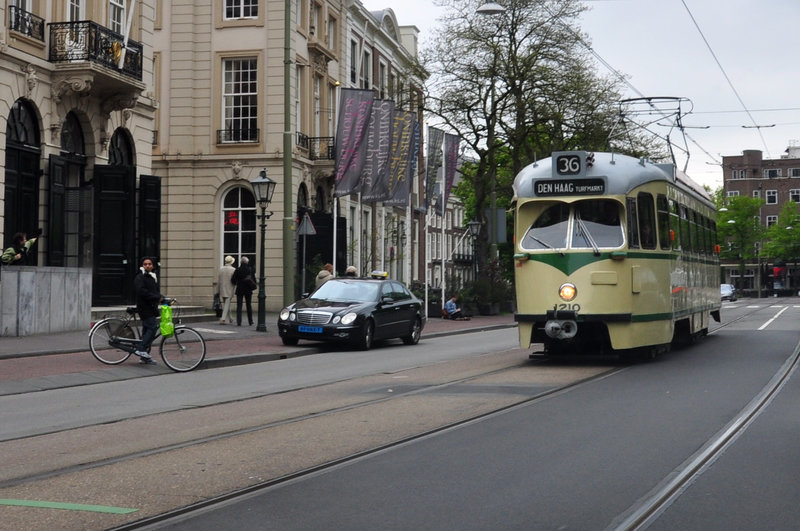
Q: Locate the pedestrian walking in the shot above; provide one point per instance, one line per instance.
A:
(225, 287)
(245, 285)
(325, 274)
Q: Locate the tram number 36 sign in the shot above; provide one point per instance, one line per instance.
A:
(568, 165)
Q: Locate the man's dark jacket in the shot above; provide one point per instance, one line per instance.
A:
(147, 295)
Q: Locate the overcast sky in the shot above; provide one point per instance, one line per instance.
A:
(727, 57)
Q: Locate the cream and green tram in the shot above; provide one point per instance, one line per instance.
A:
(612, 254)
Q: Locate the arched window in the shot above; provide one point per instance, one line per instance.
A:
(21, 188)
(239, 224)
(120, 151)
(72, 135)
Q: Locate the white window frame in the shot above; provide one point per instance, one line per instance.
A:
(771, 173)
(76, 10)
(240, 97)
(772, 197)
(794, 195)
(793, 172)
(116, 16)
(366, 70)
(732, 193)
(240, 9)
(772, 220)
(241, 234)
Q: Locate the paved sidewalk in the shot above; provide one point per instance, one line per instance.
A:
(49, 361)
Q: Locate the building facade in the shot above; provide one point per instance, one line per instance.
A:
(221, 117)
(775, 181)
(77, 138)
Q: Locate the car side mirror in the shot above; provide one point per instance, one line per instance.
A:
(386, 299)
(305, 295)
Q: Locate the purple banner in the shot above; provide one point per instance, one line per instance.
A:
(405, 148)
(435, 140)
(451, 143)
(355, 109)
(375, 177)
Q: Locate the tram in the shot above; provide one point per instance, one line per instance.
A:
(613, 254)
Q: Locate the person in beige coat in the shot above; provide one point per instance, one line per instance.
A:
(226, 289)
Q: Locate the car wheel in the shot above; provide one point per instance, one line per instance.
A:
(289, 341)
(367, 334)
(413, 338)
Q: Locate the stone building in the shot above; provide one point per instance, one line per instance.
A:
(224, 114)
(78, 114)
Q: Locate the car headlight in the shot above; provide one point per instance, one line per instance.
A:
(349, 318)
(284, 315)
(336, 319)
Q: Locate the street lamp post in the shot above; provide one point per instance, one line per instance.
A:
(263, 188)
(490, 9)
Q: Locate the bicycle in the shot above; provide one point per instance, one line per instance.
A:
(112, 340)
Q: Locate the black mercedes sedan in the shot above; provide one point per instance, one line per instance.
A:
(358, 311)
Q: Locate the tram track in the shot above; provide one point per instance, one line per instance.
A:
(500, 376)
(650, 507)
(153, 522)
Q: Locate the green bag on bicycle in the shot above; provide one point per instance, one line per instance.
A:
(167, 326)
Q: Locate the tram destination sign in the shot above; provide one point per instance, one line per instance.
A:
(569, 187)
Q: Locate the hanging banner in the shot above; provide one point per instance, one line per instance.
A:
(405, 148)
(451, 143)
(355, 110)
(435, 140)
(375, 177)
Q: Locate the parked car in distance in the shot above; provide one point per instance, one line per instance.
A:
(358, 311)
(727, 292)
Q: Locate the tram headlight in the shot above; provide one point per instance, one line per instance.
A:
(567, 291)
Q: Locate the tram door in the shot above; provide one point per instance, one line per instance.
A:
(115, 234)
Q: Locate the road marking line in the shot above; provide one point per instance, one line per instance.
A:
(776, 316)
(212, 331)
(68, 506)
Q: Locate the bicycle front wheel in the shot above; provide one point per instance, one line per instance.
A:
(184, 350)
(102, 336)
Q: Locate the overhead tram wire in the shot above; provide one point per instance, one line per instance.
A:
(725, 74)
(622, 78)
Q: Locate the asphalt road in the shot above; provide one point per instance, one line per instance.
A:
(582, 459)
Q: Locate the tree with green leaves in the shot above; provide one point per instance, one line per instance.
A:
(516, 86)
(782, 240)
(740, 231)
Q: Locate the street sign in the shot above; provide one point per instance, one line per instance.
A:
(306, 227)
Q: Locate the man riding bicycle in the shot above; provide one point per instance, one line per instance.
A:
(148, 298)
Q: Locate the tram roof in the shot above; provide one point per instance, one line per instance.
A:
(619, 173)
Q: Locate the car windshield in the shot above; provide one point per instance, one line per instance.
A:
(335, 290)
(592, 224)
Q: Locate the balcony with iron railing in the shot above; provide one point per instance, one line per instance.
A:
(88, 42)
(322, 148)
(25, 23)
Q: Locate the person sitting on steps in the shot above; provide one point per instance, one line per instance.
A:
(452, 310)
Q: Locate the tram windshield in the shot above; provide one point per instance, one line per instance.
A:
(589, 224)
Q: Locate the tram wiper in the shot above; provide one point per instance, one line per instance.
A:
(584, 231)
(545, 244)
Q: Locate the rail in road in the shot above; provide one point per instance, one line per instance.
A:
(208, 450)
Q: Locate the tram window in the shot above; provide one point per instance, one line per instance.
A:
(663, 221)
(633, 224)
(675, 223)
(549, 230)
(686, 241)
(646, 221)
(596, 224)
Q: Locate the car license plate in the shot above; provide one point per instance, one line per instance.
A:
(310, 329)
